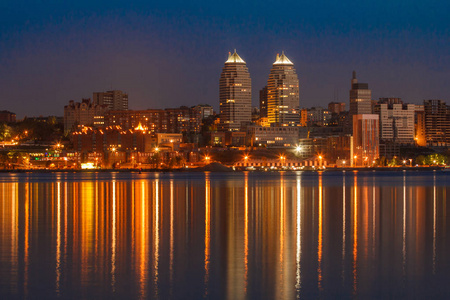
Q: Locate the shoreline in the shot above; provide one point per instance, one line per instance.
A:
(181, 170)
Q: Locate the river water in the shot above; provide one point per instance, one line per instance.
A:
(273, 235)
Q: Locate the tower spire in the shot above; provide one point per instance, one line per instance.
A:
(354, 80)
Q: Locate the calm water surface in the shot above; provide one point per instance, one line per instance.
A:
(225, 235)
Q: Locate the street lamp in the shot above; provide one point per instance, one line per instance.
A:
(354, 160)
(282, 158)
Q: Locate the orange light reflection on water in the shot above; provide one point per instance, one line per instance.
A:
(157, 231)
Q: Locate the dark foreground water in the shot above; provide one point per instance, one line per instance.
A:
(225, 236)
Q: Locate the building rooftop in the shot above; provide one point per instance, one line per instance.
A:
(234, 58)
(282, 60)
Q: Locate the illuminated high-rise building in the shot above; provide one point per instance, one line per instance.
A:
(235, 94)
(283, 103)
(360, 98)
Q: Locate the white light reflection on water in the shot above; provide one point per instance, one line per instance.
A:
(58, 239)
(298, 282)
(434, 223)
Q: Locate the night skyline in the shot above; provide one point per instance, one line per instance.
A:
(167, 55)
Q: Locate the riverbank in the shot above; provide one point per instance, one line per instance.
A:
(222, 168)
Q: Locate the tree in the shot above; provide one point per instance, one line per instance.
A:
(394, 162)
(420, 160)
(5, 132)
(381, 161)
(154, 160)
(436, 159)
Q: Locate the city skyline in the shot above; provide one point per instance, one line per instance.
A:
(66, 52)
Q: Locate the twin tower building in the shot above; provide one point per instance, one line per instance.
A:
(280, 102)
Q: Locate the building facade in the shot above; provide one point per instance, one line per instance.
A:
(316, 116)
(7, 117)
(263, 102)
(419, 126)
(331, 148)
(336, 107)
(437, 123)
(84, 113)
(114, 100)
(396, 120)
(235, 94)
(273, 137)
(283, 102)
(169, 120)
(360, 98)
(204, 110)
(112, 139)
(365, 139)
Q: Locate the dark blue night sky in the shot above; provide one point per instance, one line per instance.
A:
(167, 54)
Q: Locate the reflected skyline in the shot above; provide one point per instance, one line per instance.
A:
(235, 236)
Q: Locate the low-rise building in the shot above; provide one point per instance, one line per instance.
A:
(272, 137)
(169, 120)
(336, 107)
(7, 117)
(315, 116)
